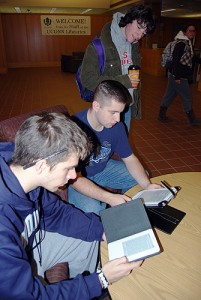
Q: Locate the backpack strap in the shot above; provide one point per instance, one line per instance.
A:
(86, 94)
(100, 51)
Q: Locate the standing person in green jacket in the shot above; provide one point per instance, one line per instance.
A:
(120, 40)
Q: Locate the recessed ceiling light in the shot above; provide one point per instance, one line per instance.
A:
(18, 10)
(53, 10)
(168, 10)
(86, 11)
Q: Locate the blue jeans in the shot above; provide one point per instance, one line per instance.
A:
(173, 89)
(115, 175)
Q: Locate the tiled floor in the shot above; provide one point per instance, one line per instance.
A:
(162, 148)
(166, 148)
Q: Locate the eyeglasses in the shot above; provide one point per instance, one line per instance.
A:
(47, 157)
(142, 28)
(191, 30)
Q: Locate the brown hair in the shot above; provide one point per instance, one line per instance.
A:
(41, 136)
(109, 90)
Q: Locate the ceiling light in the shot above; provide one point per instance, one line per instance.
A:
(18, 10)
(168, 10)
(86, 11)
(53, 10)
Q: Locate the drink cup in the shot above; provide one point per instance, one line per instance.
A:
(134, 73)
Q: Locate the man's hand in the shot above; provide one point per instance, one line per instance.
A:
(134, 81)
(153, 186)
(104, 237)
(116, 199)
(116, 269)
(89, 188)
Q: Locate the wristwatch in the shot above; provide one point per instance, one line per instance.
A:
(102, 279)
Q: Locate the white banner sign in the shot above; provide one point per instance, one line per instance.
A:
(66, 25)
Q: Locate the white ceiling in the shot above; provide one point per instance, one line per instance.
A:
(170, 8)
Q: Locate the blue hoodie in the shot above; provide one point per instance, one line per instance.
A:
(16, 278)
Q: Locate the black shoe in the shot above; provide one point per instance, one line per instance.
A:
(195, 122)
(162, 115)
(164, 119)
(191, 118)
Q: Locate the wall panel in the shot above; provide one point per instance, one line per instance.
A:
(15, 37)
(3, 63)
(26, 46)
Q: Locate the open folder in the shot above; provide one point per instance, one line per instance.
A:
(129, 232)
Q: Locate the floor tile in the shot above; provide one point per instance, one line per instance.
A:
(162, 148)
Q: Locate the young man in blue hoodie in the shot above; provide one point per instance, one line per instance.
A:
(36, 227)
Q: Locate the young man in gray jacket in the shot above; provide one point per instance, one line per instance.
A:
(120, 40)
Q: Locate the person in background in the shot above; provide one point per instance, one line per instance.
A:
(37, 229)
(180, 74)
(102, 124)
(120, 40)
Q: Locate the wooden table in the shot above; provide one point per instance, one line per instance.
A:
(174, 274)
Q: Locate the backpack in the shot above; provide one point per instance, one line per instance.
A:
(167, 56)
(85, 93)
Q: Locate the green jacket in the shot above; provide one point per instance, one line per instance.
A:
(90, 71)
